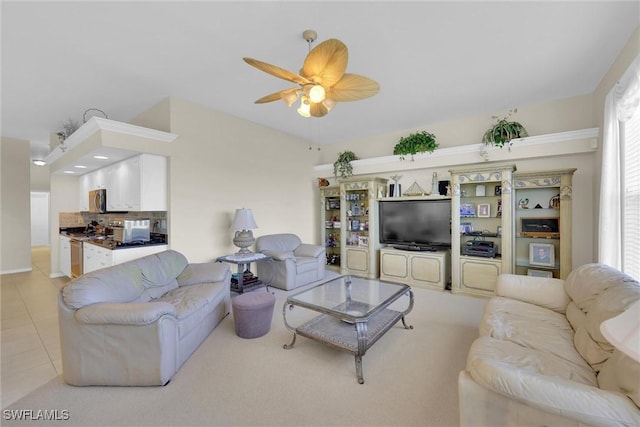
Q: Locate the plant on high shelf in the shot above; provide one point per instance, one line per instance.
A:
(504, 131)
(419, 142)
(343, 166)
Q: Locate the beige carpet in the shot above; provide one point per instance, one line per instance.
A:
(410, 378)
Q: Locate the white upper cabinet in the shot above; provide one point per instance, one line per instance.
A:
(135, 184)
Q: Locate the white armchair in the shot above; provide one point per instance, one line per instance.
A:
(294, 263)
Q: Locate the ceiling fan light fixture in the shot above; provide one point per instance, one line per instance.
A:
(289, 97)
(329, 103)
(305, 107)
(317, 93)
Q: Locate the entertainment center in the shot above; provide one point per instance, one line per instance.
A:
(496, 220)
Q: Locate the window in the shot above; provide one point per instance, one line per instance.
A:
(630, 185)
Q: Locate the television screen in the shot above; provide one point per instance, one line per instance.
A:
(415, 223)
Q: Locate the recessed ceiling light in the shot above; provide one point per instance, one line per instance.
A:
(39, 162)
(80, 167)
(100, 157)
(69, 172)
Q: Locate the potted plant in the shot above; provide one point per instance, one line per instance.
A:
(419, 142)
(504, 131)
(343, 166)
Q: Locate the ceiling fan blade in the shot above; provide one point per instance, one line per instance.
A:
(318, 109)
(277, 96)
(277, 71)
(326, 63)
(353, 87)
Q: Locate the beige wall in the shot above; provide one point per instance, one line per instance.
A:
(15, 201)
(220, 163)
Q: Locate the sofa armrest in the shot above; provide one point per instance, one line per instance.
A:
(585, 403)
(206, 272)
(306, 249)
(278, 255)
(124, 314)
(542, 291)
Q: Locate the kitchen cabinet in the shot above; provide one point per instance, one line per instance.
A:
(90, 181)
(138, 184)
(96, 257)
(65, 255)
(429, 270)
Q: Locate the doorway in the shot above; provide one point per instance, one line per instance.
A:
(40, 235)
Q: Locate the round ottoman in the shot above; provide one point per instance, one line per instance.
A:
(252, 313)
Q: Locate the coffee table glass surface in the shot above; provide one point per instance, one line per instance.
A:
(355, 313)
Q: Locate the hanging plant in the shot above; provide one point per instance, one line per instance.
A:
(420, 142)
(504, 131)
(343, 166)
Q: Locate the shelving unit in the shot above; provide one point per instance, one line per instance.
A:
(543, 203)
(330, 225)
(482, 214)
(359, 242)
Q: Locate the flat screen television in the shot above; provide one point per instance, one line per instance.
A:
(415, 224)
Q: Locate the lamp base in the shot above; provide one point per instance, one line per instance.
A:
(244, 239)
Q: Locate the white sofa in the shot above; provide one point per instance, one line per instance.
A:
(136, 323)
(541, 358)
(294, 263)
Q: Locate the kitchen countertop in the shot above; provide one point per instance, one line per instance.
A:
(108, 243)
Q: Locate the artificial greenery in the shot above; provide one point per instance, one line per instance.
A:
(343, 166)
(420, 142)
(504, 131)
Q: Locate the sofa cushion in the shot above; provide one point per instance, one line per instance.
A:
(191, 304)
(530, 326)
(544, 381)
(304, 264)
(159, 272)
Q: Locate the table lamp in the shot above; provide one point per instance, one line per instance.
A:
(243, 222)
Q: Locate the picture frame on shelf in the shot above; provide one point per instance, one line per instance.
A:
(467, 210)
(539, 273)
(466, 228)
(484, 210)
(363, 241)
(542, 254)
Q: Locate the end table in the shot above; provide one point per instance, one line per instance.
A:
(246, 281)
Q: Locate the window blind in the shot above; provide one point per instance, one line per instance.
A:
(631, 196)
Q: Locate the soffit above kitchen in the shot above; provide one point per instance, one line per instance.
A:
(101, 142)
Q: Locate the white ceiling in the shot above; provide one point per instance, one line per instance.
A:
(434, 61)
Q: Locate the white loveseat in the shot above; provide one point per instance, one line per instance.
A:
(541, 358)
(136, 323)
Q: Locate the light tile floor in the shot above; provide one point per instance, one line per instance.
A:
(29, 339)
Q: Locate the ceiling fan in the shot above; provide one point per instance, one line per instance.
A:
(322, 80)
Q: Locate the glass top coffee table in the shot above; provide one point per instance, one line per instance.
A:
(354, 314)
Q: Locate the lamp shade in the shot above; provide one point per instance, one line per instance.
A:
(243, 220)
(623, 331)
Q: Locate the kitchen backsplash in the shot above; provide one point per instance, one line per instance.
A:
(158, 219)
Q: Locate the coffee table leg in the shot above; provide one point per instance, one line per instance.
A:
(361, 332)
(288, 326)
(359, 369)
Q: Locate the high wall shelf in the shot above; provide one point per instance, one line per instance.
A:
(542, 223)
(481, 214)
